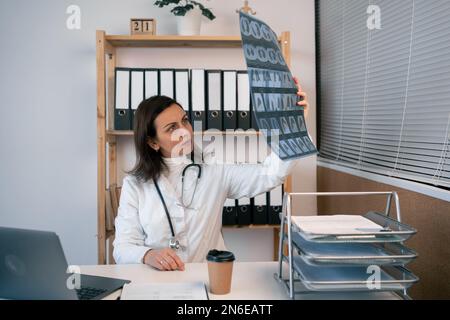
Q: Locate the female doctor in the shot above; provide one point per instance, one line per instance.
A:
(170, 210)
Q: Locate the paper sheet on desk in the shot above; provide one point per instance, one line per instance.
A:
(336, 225)
(165, 291)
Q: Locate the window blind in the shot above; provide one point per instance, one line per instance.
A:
(385, 93)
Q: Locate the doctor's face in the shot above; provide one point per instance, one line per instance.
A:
(173, 133)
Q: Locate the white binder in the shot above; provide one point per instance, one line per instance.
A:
(166, 82)
(137, 88)
(182, 88)
(198, 97)
(151, 83)
(122, 86)
(122, 100)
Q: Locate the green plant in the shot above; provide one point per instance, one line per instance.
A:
(183, 6)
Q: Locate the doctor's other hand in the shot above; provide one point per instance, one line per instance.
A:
(163, 259)
(304, 103)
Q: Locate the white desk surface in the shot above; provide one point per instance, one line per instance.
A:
(251, 281)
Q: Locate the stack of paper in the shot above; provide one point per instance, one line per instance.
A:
(336, 225)
(165, 291)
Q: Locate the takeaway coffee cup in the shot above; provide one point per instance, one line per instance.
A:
(220, 270)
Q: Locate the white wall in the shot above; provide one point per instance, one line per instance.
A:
(48, 106)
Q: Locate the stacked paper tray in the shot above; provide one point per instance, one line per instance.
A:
(356, 278)
(340, 253)
(344, 254)
(381, 229)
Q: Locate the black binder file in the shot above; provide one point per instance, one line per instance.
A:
(244, 215)
(229, 100)
(276, 202)
(214, 99)
(137, 92)
(198, 113)
(243, 93)
(122, 109)
(259, 212)
(229, 215)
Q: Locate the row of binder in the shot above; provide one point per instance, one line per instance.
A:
(263, 209)
(218, 99)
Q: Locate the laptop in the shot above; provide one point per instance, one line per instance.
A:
(33, 267)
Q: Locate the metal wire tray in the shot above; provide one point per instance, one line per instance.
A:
(332, 278)
(344, 254)
(392, 231)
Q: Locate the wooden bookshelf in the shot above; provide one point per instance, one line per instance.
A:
(154, 41)
(106, 46)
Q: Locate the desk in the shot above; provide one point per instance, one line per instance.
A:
(251, 281)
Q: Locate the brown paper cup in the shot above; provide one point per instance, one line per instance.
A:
(220, 271)
(220, 274)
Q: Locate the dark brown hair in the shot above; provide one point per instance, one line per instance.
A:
(149, 162)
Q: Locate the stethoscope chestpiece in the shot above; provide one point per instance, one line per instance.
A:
(174, 244)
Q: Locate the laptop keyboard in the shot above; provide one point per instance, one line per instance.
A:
(88, 293)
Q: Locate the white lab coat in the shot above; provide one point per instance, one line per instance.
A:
(142, 224)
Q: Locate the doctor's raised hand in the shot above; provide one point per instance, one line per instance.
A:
(170, 210)
(303, 103)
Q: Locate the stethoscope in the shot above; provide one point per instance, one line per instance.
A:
(174, 243)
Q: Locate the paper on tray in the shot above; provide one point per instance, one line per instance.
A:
(336, 225)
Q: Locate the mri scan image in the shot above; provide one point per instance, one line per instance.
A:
(302, 145)
(285, 125)
(273, 90)
(294, 146)
(293, 124)
(301, 123)
(259, 102)
(286, 148)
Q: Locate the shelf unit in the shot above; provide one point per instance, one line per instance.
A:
(106, 62)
